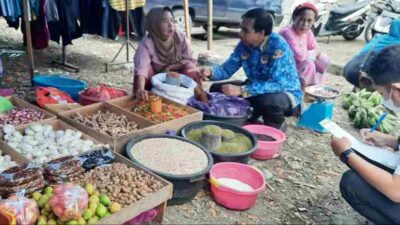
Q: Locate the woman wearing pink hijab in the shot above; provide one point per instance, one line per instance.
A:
(311, 64)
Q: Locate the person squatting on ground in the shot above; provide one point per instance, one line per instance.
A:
(371, 189)
(311, 63)
(272, 87)
(353, 68)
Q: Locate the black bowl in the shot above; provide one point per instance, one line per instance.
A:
(221, 157)
(185, 186)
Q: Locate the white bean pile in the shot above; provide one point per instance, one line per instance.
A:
(170, 156)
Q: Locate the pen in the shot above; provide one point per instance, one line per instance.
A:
(379, 121)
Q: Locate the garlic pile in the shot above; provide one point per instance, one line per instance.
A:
(41, 143)
(6, 162)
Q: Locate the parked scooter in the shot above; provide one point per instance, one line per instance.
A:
(348, 20)
(382, 14)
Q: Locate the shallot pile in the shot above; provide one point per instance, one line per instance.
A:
(21, 115)
(107, 123)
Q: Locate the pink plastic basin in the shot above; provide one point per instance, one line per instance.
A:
(267, 149)
(233, 199)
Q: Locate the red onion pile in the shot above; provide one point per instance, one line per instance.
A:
(20, 115)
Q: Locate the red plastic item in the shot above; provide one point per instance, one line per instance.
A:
(233, 199)
(7, 217)
(100, 93)
(50, 95)
(267, 149)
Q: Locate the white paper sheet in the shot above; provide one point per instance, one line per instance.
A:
(377, 154)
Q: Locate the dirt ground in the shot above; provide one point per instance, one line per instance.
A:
(303, 180)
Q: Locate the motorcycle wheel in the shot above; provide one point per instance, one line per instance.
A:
(369, 33)
(352, 32)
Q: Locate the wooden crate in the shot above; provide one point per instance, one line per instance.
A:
(18, 102)
(115, 143)
(56, 124)
(156, 200)
(58, 108)
(194, 115)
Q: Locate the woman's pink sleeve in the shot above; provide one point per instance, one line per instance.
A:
(290, 37)
(187, 53)
(142, 60)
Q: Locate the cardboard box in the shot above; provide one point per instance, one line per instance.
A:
(176, 124)
(56, 124)
(57, 108)
(22, 103)
(158, 199)
(117, 143)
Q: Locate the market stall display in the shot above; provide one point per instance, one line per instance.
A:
(6, 162)
(27, 177)
(100, 93)
(24, 210)
(172, 118)
(23, 113)
(229, 143)
(191, 162)
(41, 143)
(110, 124)
(124, 185)
(364, 109)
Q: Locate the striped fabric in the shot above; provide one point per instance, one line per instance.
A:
(119, 5)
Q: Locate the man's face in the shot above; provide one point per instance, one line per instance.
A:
(248, 35)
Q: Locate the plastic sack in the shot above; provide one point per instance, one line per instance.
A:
(68, 201)
(24, 210)
(103, 92)
(50, 95)
(221, 105)
(96, 158)
(178, 94)
(62, 169)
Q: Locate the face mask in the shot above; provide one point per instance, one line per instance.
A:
(389, 104)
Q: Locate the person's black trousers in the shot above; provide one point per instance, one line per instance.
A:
(273, 107)
(368, 201)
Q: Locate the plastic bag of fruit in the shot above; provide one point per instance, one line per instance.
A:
(24, 210)
(69, 201)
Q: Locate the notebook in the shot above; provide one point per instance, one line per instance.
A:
(377, 154)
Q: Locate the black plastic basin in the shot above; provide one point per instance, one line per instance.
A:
(220, 157)
(236, 120)
(185, 186)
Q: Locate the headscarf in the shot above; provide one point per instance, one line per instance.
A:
(385, 40)
(167, 49)
(305, 5)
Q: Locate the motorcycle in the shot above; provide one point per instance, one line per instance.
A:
(383, 13)
(346, 20)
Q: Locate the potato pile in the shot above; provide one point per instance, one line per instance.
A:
(121, 183)
(107, 122)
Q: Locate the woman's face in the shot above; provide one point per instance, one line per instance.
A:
(167, 25)
(304, 21)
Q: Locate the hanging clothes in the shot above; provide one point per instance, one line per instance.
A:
(120, 5)
(39, 30)
(67, 27)
(51, 11)
(91, 12)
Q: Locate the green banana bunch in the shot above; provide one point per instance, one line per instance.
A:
(364, 109)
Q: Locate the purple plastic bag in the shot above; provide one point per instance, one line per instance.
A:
(145, 217)
(221, 105)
